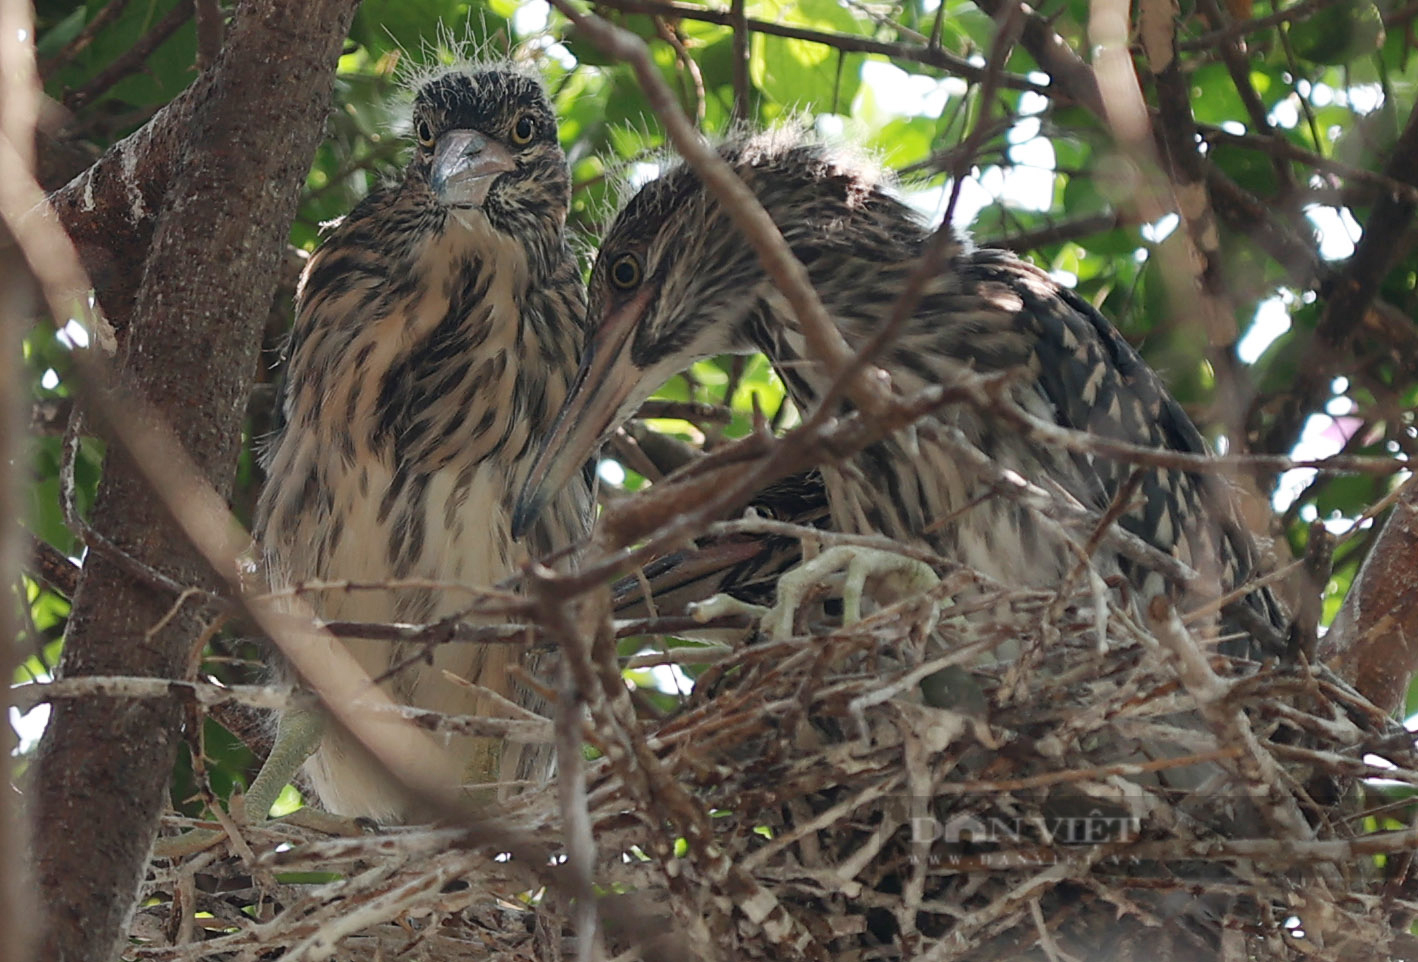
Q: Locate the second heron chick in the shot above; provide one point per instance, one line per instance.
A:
(675, 282)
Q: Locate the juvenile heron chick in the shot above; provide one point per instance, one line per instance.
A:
(675, 282)
(437, 330)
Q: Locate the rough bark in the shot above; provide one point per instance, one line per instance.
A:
(102, 769)
(1373, 642)
(112, 208)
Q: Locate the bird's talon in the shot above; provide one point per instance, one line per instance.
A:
(857, 565)
(720, 605)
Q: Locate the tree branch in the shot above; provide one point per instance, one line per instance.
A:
(17, 302)
(109, 211)
(1373, 642)
(132, 59)
(914, 53)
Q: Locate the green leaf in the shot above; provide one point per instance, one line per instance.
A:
(1248, 167)
(417, 27)
(801, 74)
(1339, 33)
(1214, 97)
(1347, 495)
(163, 74)
(61, 33)
(1081, 196)
(904, 141)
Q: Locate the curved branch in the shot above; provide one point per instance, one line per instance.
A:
(109, 211)
(1373, 643)
(132, 58)
(915, 53)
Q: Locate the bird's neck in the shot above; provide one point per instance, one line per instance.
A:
(469, 243)
(859, 294)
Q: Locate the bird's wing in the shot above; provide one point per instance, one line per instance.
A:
(745, 566)
(348, 259)
(1095, 381)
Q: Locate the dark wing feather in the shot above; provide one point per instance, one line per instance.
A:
(1095, 381)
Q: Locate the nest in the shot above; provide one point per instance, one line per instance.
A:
(967, 772)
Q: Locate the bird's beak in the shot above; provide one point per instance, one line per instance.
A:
(607, 388)
(465, 163)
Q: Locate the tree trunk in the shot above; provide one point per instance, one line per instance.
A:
(103, 767)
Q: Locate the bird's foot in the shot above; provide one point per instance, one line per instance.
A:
(297, 737)
(907, 576)
(720, 605)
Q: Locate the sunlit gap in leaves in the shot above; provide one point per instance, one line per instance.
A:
(1378, 761)
(1322, 436)
(530, 18)
(29, 726)
(74, 334)
(1363, 98)
(671, 680)
(1335, 229)
(641, 173)
(1026, 183)
(1161, 229)
(611, 472)
(895, 92)
(1272, 320)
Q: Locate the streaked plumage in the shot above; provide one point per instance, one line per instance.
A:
(675, 282)
(437, 330)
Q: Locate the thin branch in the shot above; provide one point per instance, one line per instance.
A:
(83, 38)
(1071, 75)
(131, 59)
(1280, 147)
(1059, 231)
(1295, 13)
(913, 53)
(208, 695)
(17, 306)
(1239, 69)
(742, 107)
(50, 565)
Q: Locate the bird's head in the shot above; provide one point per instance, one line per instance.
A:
(675, 281)
(485, 140)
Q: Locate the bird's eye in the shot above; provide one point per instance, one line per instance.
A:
(424, 131)
(626, 272)
(523, 130)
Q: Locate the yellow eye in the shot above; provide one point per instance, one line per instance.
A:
(523, 130)
(424, 131)
(626, 272)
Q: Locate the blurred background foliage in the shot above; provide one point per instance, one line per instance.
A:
(1333, 81)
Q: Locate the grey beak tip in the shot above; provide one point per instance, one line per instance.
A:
(523, 514)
